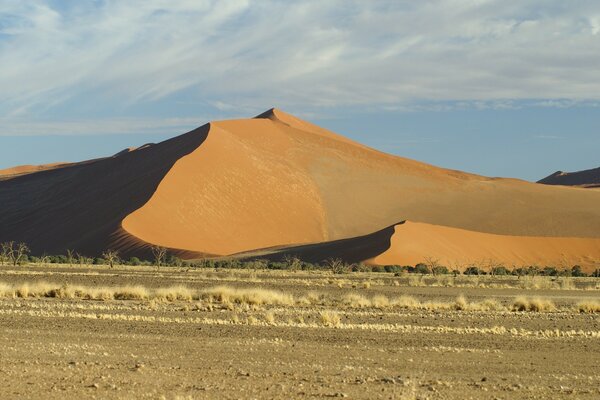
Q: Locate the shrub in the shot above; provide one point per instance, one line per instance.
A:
(576, 271)
(440, 270)
(330, 318)
(421, 269)
(134, 261)
(500, 270)
(473, 271)
(589, 306)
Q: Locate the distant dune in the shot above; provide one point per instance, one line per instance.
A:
(28, 169)
(589, 178)
(277, 181)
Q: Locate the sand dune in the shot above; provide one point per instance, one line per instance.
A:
(29, 169)
(589, 178)
(274, 180)
(412, 242)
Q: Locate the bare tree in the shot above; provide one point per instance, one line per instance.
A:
(112, 256)
(159, 253)
(336, 265)
(15, 252)
(6, 252)
(432, 264)
(70, 257)
(293, 261)
(83, 260)
(44, 260)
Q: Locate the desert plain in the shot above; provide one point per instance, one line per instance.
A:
(193, 333)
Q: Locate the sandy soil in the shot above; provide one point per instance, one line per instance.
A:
(65, 348)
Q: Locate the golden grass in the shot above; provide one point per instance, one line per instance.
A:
(253, 296)
(589, 306)
(330, 318)
(536, 304)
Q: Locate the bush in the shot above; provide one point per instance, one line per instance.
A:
(99, 261)
(473, 271)
(440, 270)
(134, 261)
(421, 269)
(576, 271)
(549, 271)
(500, 270)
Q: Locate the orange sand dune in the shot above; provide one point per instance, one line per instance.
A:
(275, 180)
(413, 242)
(29, 169)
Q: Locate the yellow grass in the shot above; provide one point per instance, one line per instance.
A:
(587, 306)
(253, 296)
(535, 304)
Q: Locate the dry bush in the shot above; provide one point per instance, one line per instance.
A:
(406, 302)
(416, 280)
(131, 293)
(175, 293)
(380, 301)
(356, 301)
(584, 306)
(536, 282)
(6, 290)
(330, 318)
(270, 317)
(312, 298)
(461, 303)
(536, 304)
(226, 294)
(566, 284)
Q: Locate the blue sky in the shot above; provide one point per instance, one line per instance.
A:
(493, 87)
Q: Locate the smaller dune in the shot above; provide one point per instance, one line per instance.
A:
(30, 169)
(414, 242)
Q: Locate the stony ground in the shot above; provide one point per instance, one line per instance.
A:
(76, 348)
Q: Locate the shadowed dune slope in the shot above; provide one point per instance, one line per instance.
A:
(589, 178)
(81, 206)
(275, 180)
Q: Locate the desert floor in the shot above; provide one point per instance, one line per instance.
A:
(272, 334)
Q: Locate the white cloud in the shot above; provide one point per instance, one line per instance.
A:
(393, 54)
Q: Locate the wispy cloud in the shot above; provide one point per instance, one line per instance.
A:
(107, 126)
(232, 54)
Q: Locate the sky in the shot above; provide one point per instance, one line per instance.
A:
(495, 87)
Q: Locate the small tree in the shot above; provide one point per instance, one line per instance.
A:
(83, 260)
(432, 264)
(159, 253)
(15, 253)
(6, 252)
(111, 256)
(70, 257)
(292, 262)
(336, 265)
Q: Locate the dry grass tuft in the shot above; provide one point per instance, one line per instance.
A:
(330, 318)
(175, 293)
(226, 294)
(536, 304)
(356, 301)
(587, 306)
(131, 293)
